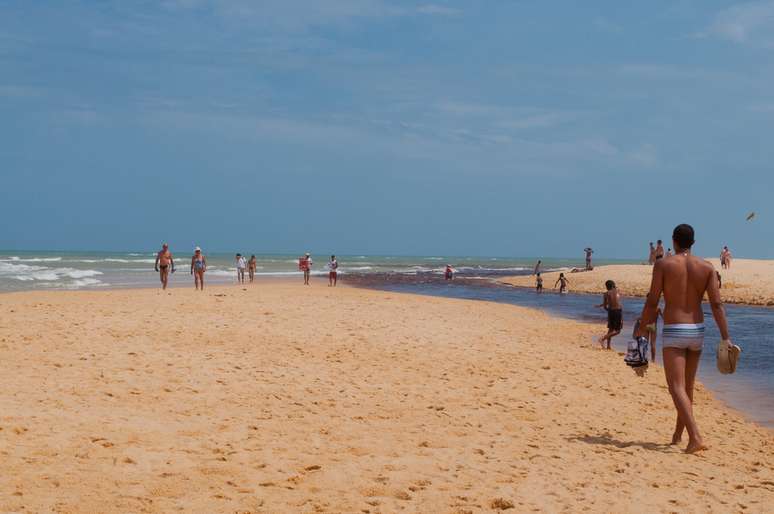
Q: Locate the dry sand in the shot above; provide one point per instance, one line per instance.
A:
(285, 398)
(749, 281)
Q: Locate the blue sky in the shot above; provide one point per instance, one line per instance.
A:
(518, 128)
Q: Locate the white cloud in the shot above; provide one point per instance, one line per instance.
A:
(745, 23)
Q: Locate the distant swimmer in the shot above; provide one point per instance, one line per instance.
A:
(652, 254)
(305, 265)
(538, 283)
(164, 264)
(537, 268)
(563, 281)
(684, 280)
(252, 265)
(198, 267)
(241, 264)
(333, 271)
(659, 250)
(611, 302)
(588, 251)
(448, 274)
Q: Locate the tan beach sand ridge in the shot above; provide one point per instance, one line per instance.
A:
(285, 398)
(749, 281)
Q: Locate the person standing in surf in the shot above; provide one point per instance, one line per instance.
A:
(198, 267)
(684, 280)
(164, 262)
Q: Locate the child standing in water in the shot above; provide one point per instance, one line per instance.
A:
(611, 302)
(539, 283)
(563, 281)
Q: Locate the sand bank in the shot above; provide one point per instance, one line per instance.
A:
(285, 398)
(749, 281)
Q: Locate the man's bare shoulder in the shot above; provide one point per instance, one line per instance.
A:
(703, 263)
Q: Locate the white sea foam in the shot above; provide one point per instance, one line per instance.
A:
(31, 259)
(26, 272)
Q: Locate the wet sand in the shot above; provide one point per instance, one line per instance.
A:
(749, 281)
(283, 398)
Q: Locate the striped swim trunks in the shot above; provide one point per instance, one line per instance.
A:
(687, 336)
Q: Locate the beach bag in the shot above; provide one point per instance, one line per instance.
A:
(637, 352)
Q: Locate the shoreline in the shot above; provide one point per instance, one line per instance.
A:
(294, 398)
(748, 282)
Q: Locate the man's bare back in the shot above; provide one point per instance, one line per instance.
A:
(684, 281)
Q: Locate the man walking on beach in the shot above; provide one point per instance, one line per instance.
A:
(241, 264)
(163, 262)
(684, 279)
(305, 265)
(652, 254)
(612, 303)
(333, 271)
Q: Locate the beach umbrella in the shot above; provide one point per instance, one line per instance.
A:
(750, 216)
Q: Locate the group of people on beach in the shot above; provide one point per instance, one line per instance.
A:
(657, 252)
(562, 281)
(165, 264)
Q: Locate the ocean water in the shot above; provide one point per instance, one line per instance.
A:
(20, 271)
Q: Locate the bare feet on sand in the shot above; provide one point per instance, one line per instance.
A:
(696, 447)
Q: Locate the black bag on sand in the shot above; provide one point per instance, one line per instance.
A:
(637, 352)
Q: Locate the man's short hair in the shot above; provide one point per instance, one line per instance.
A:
(659, 241)
(683, 236)
(609, 285)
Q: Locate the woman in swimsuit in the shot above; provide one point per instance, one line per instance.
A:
(251, 267)
(198, 267)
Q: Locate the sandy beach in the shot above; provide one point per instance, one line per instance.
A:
(283, 398)
(749, 281)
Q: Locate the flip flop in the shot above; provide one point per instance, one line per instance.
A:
(727, 357)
